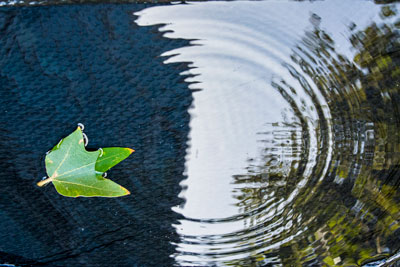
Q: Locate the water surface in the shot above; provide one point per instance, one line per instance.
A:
(293, 153)
(266, 133)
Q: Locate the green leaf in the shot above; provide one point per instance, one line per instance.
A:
(111, 156)
(72, 170)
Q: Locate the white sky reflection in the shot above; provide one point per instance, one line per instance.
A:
(241, 48)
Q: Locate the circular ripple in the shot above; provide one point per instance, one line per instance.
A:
(322, 186)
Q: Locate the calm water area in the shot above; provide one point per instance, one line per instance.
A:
(267, 133)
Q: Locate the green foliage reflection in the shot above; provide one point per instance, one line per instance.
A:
(348, 211)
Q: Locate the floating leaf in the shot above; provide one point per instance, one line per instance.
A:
(72, 169)
(111, 156)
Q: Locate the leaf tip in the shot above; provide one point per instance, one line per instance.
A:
(131, 150)
(126, 191)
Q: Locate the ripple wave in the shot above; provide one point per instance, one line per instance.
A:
(294, 151)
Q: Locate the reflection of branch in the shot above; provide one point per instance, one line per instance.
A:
(274, 172)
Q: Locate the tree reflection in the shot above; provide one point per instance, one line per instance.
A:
(349, 214)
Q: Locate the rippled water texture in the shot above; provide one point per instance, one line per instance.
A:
(294, 144)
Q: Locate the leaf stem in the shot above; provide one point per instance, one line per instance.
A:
(44, 182)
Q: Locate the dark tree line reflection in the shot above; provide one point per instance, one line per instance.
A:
(345, 209)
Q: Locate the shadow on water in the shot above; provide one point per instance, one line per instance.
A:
(90, 64)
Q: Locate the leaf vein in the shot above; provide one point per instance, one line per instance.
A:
(83, 185)
(65, 157)
(67, 172)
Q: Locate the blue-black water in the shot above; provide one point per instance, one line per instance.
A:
(266, 133)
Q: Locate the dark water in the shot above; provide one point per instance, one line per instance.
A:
(266, 133)
(90, 64)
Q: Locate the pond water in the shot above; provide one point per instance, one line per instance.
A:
(266, 133)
